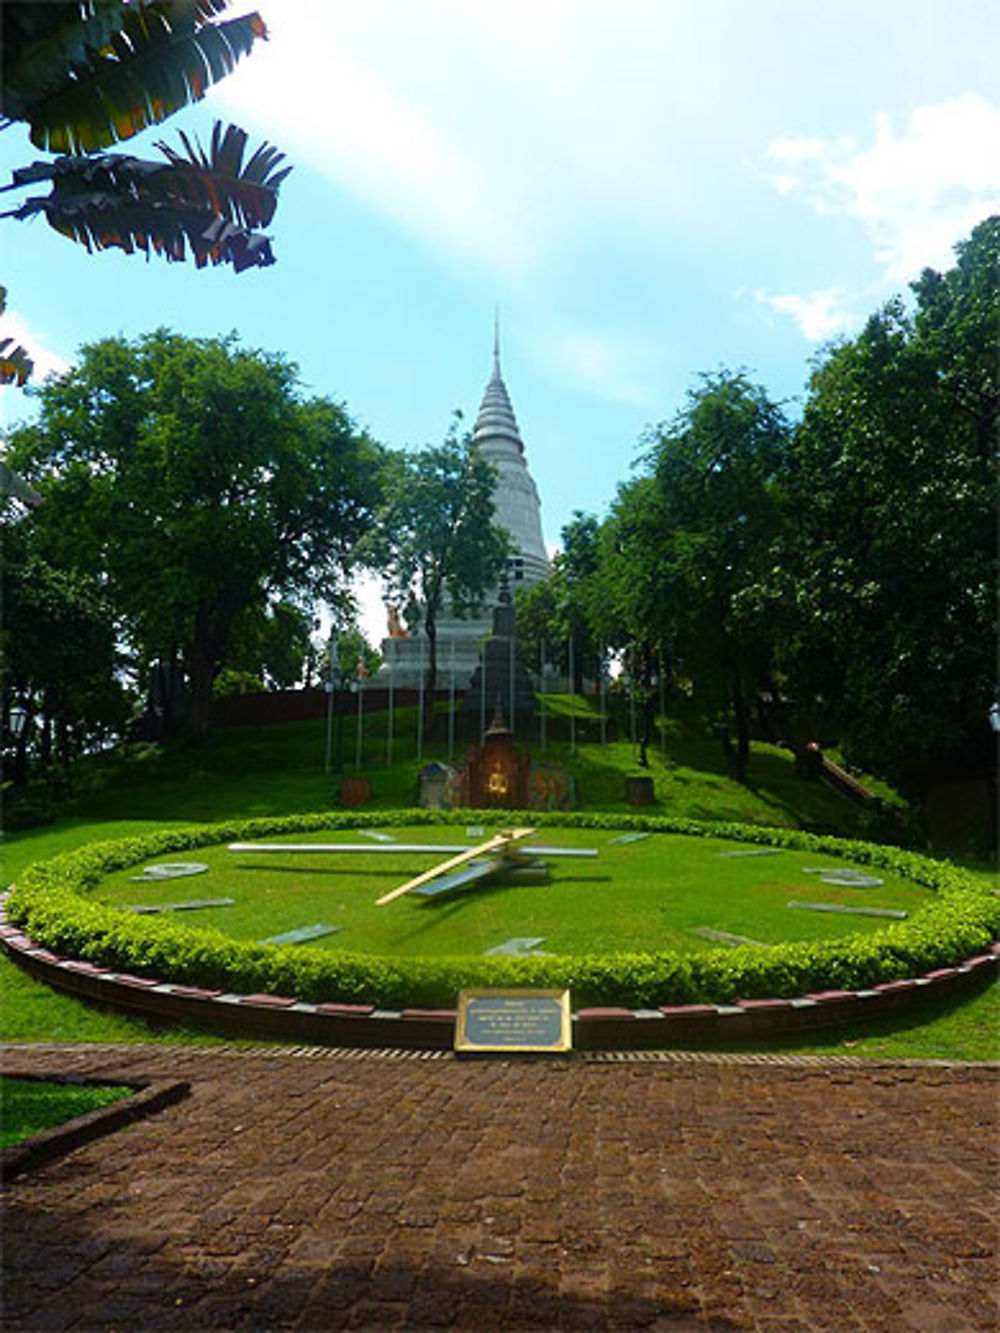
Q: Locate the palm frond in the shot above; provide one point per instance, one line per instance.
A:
(84, 84)
(244, 194)
(12, 483)
(15, 363)
(203, 205)
(103, 222)
(44, 45)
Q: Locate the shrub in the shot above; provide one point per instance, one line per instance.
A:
(27, 807)
(51, 904)
(229, 682)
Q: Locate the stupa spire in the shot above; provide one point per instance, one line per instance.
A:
(496, 420)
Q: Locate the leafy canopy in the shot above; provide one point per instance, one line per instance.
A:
(196, 481)
(892, 570)
(437, 536)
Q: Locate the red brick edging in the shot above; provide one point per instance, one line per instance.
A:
(364, 1025)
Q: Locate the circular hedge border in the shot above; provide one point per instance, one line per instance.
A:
(50, 904)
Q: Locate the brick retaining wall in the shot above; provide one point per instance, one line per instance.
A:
(287, 1018)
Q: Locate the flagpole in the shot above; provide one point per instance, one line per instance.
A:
(572, 693)
(541, 716)
(663, 705)
(604, 696)
(482, 697)
(420, 705)
(360, 682)
(388, 734)
(451, 705)
(631, 695)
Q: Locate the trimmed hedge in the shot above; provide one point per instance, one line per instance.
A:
(51, 905)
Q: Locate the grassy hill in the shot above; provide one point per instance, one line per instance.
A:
(248, 771)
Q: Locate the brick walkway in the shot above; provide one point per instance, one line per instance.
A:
(324, 1191)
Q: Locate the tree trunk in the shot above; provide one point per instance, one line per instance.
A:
(20, 765)
(45, 741)
(742, 726)
(212, 628)
(63, 754)
(200, 699)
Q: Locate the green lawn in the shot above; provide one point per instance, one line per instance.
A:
(959, 1029)
(28, 1106)
(653, 894)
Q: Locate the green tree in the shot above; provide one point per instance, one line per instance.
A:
(271, 642)
(436, 537)
(556, 610)
(60, 657)
(686, 547)
(355, 654)
(889, 602)
(192, 477)
(627, 592)
(957, 326)
(354, 657)
(625, 602)
(84, 76)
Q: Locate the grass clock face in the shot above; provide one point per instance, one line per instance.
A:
(642, 892)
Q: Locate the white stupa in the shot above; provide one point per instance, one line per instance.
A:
(518, 510)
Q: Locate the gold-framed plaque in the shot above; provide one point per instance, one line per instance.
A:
(512, 1022)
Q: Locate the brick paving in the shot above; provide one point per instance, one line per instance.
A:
(320, 1191)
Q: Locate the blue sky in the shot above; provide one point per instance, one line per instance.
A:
(648, 189)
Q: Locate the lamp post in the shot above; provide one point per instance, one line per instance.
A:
(17, 721)
(647, 704)
(338, 762)
(603, 687)
(358, 688)
(993, 785)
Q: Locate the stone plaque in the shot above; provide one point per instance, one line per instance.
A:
(521, 946)
(191, 905)
(893, 913)
(302, 935)
(503, 1022)
(170, 870)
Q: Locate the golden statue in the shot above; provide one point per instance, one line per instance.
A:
(397, 630)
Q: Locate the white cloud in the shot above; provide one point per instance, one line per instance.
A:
(372, 617)
(538, 149)
(614, 363)
(47, 360)
(352, 125)
(917, 188)
(496, 133)
(820, 315)
(795, 151)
